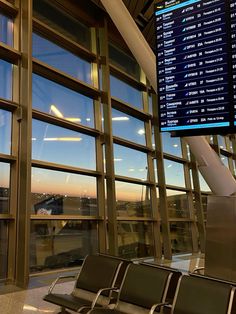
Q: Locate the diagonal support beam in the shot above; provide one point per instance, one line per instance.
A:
(217, 176)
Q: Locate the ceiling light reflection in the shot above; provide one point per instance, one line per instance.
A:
(73, 119)
(141, 132)
(62, 139)
(56, 111)
(120, 119)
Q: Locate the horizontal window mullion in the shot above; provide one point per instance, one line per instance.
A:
(60, 77)
(64, 217)
(7, 158)
(127, 78)
(9, 54)
(8, 8)
(126, 108)
(63, 123)
(8, 105)
(133, 180)
(63, 41)
(123, 142)
(57, 167)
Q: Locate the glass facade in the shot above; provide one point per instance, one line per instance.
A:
(61, 59)
(83, 155)
(61, 102)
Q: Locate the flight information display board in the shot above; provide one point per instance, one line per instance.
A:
(196, 66)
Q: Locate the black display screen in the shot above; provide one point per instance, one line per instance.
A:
(196, 66)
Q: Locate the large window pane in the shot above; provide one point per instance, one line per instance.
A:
(59, 145)
(203, 185)
(62, 102)
(132, 200)
(130, 163)
(3, 248)
(6, 30)
(63, 243)
(4, 188)
(65, 24)
(5, 132)
(126, 93)
(60, 193)
(181, 238)
(61, 59)
(135, 239)
(177, 202)
(174, 173)
(171, 145)
(128, 127)
(124, 61)
(6, 80)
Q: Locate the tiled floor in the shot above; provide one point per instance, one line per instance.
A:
(30, 301)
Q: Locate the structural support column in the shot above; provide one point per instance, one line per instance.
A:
(24, 180)
(218, 177)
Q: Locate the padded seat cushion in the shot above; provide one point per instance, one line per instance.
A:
(66, 300)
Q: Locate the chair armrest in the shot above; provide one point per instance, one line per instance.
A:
(58, 279)
(99, 292)
(155, 306)
(196, 270)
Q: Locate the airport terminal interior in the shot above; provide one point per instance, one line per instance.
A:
(84, 166)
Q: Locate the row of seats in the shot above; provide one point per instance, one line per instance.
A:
(110, 285)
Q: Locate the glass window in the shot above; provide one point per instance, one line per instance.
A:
(65, 24)
(225, 160)
(61, 193)
(124, 61)
(132, 200)
(61, 243)
(174, 173)
(177, 202)
(171, 145)
(59, 145)
(126, 93)
(6, 80)
(181, 239)
(6, 30)
(61, 59)
(62, 102)
(4, 188)
(135, 239)
(5, 132)
(221, 142)
(203, 185)
(130, 163)
(127, 127)
(3, 248)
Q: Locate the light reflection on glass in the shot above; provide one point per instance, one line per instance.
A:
(133, 164)
(61, 243)
(59, 58)
(135, 239)
(171, 145)
(5, 132)
(6, 80)
(177, 202)
(6, 30)
(62, 102)
(126, 93)
(56, 193)
(4, 188)
(181, 239)
(59, 145)
(174, 173)
(203, 185)
(132, 200)
(127, 127)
